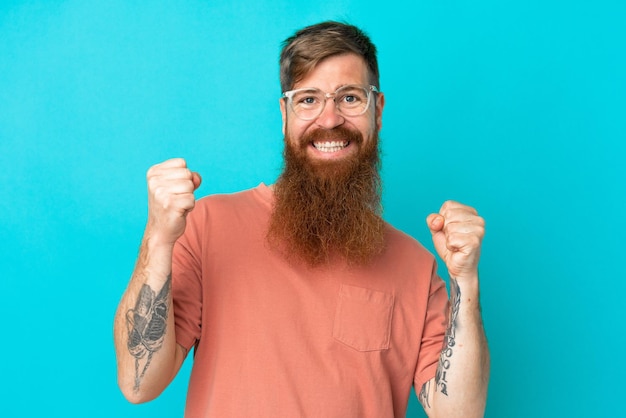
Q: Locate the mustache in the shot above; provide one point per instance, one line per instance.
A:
(340, 133)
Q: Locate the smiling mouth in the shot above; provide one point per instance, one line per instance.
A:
(330, 146)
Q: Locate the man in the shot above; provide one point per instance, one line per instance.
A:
(298, 298)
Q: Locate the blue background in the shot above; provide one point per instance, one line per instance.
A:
(517, 108)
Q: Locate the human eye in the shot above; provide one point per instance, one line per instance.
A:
(352, 96)
(308, 98)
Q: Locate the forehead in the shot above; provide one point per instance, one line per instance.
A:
(336, 71)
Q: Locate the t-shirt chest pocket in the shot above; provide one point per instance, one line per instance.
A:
(363, 318)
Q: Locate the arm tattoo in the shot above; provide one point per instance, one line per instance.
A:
(446, 353)
(146, 325)
(424, 394)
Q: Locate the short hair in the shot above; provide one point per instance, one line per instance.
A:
(303, 51)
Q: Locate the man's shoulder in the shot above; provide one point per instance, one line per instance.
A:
(259, 195)
(398, 239)
(230, 213)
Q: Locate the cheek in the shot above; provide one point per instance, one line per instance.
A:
(293, 136)
(370, 130)
(295, 130)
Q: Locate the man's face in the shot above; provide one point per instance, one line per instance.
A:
(328, 76)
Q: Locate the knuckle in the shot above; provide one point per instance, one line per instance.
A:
(160, 193)
(167, 201)
(474, 241)
(455, 239)
(153, 180)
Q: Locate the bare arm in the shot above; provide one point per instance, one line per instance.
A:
(148, 357)
(459, 388)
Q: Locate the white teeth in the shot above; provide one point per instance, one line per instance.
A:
(330, 146)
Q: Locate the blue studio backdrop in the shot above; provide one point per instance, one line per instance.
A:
(517, 108)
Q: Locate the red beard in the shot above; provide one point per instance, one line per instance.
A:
(329, 208)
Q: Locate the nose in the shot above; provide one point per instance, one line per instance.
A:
(330, 117)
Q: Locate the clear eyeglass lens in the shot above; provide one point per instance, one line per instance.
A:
(350, 101)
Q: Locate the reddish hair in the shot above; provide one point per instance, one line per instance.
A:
(309, 46)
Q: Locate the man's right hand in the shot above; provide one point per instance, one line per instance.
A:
(170, 198)
(144, 320)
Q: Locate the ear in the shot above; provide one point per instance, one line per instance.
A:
(380, 104)
(283, 112)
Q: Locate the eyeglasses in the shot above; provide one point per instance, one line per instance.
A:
(350, 100)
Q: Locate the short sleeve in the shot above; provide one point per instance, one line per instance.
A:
(433, 332)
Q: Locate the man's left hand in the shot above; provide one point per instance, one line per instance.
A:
(458, 232)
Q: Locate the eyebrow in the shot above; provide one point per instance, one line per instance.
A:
(340, 86)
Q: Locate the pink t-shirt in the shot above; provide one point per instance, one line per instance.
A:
(278, 339)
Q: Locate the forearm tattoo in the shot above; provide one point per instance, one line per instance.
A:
(441, 382)
(146, 325)
(424, 395)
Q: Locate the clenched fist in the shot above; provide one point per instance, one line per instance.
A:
(457, 232)
(170, 197)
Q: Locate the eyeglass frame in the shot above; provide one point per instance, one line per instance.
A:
(369, 89)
